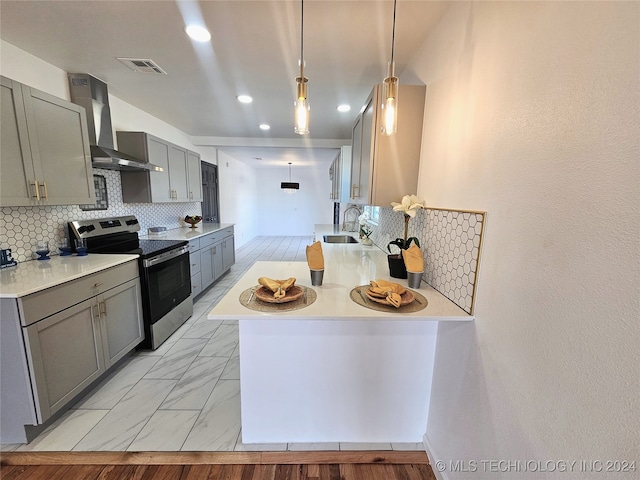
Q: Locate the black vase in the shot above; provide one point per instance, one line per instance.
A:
(397, 268)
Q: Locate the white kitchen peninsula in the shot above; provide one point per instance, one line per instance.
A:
(335, 371)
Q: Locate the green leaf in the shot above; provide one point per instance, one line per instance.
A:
(398, 242)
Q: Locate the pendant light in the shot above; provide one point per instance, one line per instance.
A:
(390, 94)
(301, 109)
(290, 187)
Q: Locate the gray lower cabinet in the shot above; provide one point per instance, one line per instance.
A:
(207, 269)
(66, 356)
(228, 252)
(72, 348)
(195, 265)
(70, 335)
(211, 256)
(44, 149)
(121, 323)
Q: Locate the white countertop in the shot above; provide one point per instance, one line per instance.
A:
(188, 233)
(35, 275)
(346, 266)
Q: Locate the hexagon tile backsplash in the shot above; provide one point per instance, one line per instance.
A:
(450, 241)
(21, 227)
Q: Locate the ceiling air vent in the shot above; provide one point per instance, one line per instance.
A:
(143, 65)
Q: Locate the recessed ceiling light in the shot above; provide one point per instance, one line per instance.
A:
(343, 108)
(198, 33)
(244, 99)
(264, 126)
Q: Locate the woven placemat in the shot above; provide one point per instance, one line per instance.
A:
(418, 304)
(260, 306)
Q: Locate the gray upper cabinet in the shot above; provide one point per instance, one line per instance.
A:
(340, 174)
(385, 168)
(178, 173)
(333, 175)
(344, 174)
(194, 175)
(44, 149)
(179, 182)
(157, 185)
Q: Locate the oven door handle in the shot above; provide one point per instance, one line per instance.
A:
(163, 257)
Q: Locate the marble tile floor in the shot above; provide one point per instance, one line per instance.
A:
(184, 396)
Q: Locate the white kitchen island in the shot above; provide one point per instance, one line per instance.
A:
(335, 371)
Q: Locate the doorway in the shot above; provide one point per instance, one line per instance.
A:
(210, 196)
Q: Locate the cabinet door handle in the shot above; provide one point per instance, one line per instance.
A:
(103, 308)
(46, 193)
(213, 251)
(355, 190)
(191, 195)
(97, 284)
(96, 311)
(35, 184)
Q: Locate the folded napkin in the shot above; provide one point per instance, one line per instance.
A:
(278, 287)
(390, 290)
(315, 259)
(413, 259)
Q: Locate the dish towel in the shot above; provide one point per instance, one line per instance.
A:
(315, 258)
(278, 287)
(393, 291)
(413, 259)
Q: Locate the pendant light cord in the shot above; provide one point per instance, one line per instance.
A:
(302, 39)
(393, 31)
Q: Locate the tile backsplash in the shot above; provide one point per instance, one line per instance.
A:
(21, 227)
(450, 241)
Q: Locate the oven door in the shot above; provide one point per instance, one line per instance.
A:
(168, 282)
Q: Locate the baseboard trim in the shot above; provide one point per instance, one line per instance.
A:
(195, 458)
(440, 474)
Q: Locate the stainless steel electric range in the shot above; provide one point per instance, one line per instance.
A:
(164, 266)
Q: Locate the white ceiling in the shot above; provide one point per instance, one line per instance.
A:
(254, 50)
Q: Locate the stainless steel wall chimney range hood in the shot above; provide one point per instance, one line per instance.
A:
(91, 93)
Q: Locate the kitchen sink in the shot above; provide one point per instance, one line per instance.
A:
(339, 239)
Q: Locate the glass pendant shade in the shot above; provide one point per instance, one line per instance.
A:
(301, 109)
(390, 104)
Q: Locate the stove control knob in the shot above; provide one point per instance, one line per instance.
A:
(132, 222)
(90, 228)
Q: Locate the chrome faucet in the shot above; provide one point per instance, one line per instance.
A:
(353, 223)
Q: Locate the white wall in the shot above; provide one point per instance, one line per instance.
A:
(532, 114)
(23, 67)
(296, 214)
(239, 199)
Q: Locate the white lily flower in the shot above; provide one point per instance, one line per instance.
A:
(409, 205)
(362, 219)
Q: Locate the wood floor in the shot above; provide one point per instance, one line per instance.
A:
(367, 465)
